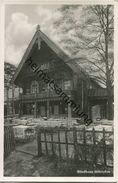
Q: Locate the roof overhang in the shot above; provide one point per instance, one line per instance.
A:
(37, 38)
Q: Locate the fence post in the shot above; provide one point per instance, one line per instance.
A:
(13, 139)
(84, 137)
(5, 144)
(94, 151)
(94, 147)
(66, 141)
(45, 138)
(9, 140)
(59, 144)
(75, 144)
(104, 148)
(53, 152)
(39, 142)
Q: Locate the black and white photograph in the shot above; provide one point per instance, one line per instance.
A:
(57, 182)
(59, 90)
(47, 182)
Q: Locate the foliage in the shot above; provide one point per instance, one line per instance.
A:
(87, 34)
(9, 70)
(83, 32)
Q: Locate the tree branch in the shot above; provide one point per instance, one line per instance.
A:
(96, 65)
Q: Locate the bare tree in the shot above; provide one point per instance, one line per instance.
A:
(87, 34)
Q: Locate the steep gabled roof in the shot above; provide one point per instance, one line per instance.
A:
(39, 35)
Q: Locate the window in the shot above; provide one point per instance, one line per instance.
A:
(59, 82)
(34, 87)
(27, 90)
(67, 85)
(44, 87)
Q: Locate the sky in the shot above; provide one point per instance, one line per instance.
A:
(20, 26)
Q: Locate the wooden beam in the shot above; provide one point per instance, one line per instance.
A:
(48, 109)
(69, 116)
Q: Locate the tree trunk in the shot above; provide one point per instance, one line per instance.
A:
(109, 102)
(108, 82)
(7, 100)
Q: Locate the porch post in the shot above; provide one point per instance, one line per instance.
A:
(48, 109)
(13, 108)
(20, 103)
(35, 105)
(35, 110)
(89, 110)
(69, 116)
(82, 105)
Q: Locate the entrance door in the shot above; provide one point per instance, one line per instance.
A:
(56, 109)
(43, 111)
(95, 112)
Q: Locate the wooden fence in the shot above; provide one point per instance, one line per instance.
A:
(83, 146)
(9, 140)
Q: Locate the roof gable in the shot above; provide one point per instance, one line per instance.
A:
(37, 38)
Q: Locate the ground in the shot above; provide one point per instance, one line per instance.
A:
(24, 161)
(24, 164)
(21, 164)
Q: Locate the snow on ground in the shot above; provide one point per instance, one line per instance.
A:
(21, 164)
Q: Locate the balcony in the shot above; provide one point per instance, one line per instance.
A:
(45, 95)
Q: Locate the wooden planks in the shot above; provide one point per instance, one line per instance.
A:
(9, 140)
(59, 138)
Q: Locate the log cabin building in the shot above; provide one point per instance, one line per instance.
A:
(38, 99)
